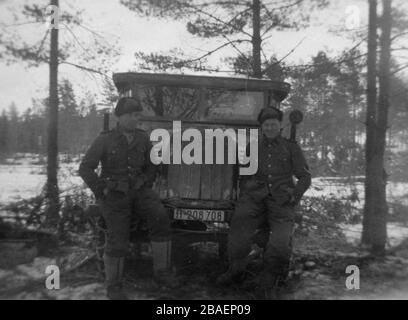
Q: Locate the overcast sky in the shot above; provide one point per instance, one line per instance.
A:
(132, 33)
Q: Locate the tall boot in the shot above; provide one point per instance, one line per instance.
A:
(113, 277)
(272, 287)
(162, 270)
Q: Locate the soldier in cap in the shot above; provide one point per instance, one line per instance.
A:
(268, 198)
(124, 188)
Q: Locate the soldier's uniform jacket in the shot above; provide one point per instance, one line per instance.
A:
(124, 165)
(279, 159)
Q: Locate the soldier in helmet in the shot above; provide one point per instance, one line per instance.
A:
(268, 198)
(123, 188)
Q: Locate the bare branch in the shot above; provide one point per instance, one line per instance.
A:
(269, 13)
(217, 19)
(18, 24)
(229, 42)
(339, 62)
(285, 6)
(195, 63)
(238, 14)
(76, 40)
(400, 49)
(85, 68)
(42, 42)
(399, 35)
(223, 3)
(284, 57)
(400, 68)
(358, 44)
(96, 34)
(239, 51)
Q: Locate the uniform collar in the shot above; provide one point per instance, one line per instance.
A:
(268, 141)
(119, 132)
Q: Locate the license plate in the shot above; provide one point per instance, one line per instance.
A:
(199, 214)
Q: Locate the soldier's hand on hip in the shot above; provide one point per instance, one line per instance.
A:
(292, 201)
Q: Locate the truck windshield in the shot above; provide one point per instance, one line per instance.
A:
(198, 104)
(236, 105)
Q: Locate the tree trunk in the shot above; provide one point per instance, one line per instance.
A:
(353, 162)
(379, 218)
(256, 39)
(370, 122)
(52, 191)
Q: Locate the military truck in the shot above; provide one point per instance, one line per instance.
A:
(200, 198)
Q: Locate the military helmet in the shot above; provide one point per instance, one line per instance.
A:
(127, 105)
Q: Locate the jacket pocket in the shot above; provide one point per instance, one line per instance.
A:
(283, 194)
(259, 192)
(285, 163)
(121, 186)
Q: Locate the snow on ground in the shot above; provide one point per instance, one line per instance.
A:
(23, 177)
(19, 182)
(396, 233)
(341, 188)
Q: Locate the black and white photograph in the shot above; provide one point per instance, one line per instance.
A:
(215, 151)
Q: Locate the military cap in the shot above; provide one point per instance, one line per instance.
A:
(127, 105)
(270, 113)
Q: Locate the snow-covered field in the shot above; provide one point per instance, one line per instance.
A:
(395, 233)
(343, 188)
(23, 177)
